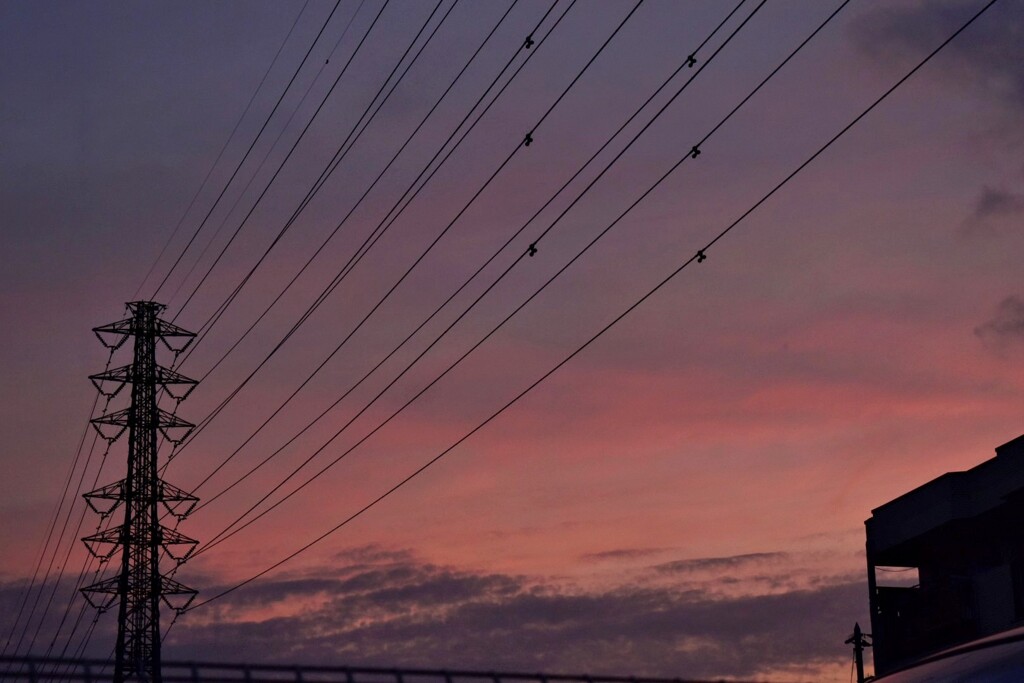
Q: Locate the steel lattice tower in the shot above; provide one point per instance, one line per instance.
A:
(140, 586)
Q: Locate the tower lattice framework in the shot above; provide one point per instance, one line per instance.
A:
(139, 588)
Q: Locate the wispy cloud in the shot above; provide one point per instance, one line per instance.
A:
(988, 63)
(1006, 327)
(703, 564)
(991, 210)
(621, 554)
(395, 610)
(419, 614)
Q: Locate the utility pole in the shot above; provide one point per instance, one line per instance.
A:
(859, 641)
(140, 587)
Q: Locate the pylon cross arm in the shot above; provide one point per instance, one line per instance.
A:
(171, 539)
(172, 494)
(113, 494)
(175, 595)
(106, 587)
(109, 538)
(169, 380)
(173, 427)
(114, 335)
(168, 332)
(119, 376)
(118, 418)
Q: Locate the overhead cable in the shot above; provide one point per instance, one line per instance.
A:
(284, 161)
(234, 173)
(220, 407)
(223, 534)
(686, 62)
(696, 257)
(220, 154)
(263, 161)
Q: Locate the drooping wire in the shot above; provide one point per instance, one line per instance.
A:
(696, 258)
(61, 534)
(220, 154)
(686, 62)
(53, 526)
(104, 522)
(266, 156)
(281, 166)
(234, 173)
(358, 202)
(96, 565)
(409, 270)
(224, 535)
(339, 154)
(215, 317)
(354, 135)
(214, 413)
(72, 544)
(450, 224)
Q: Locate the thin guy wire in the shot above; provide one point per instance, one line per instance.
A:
(63, 530)
(56, 514)
(72, 544)
(53, 526)
(79, 582)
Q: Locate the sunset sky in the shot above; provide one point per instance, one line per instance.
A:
(685, 497)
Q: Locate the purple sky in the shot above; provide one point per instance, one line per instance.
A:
(686, 496)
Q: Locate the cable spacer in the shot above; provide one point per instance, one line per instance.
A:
(695, 152)
(701, 256)
(691, 60)
(532, 250)
(528, 43)
(528, 139)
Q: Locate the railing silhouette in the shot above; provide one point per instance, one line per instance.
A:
(50, 670)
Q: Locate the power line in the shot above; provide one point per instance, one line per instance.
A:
(53, 526)
(361, 198)
(450, 224)
(266, 156)
(231, 136)
(71, 546)
(689, 61)
(444, 231)
(60, 535)
(283, 161)
(698, 257)
(223, 535)
(341, 152)
(83, 572)
(213, 414)
(213, 319)
(248, 151)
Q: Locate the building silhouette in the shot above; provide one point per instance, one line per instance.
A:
(963, 532)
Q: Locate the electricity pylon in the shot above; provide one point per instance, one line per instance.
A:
(140, 587)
